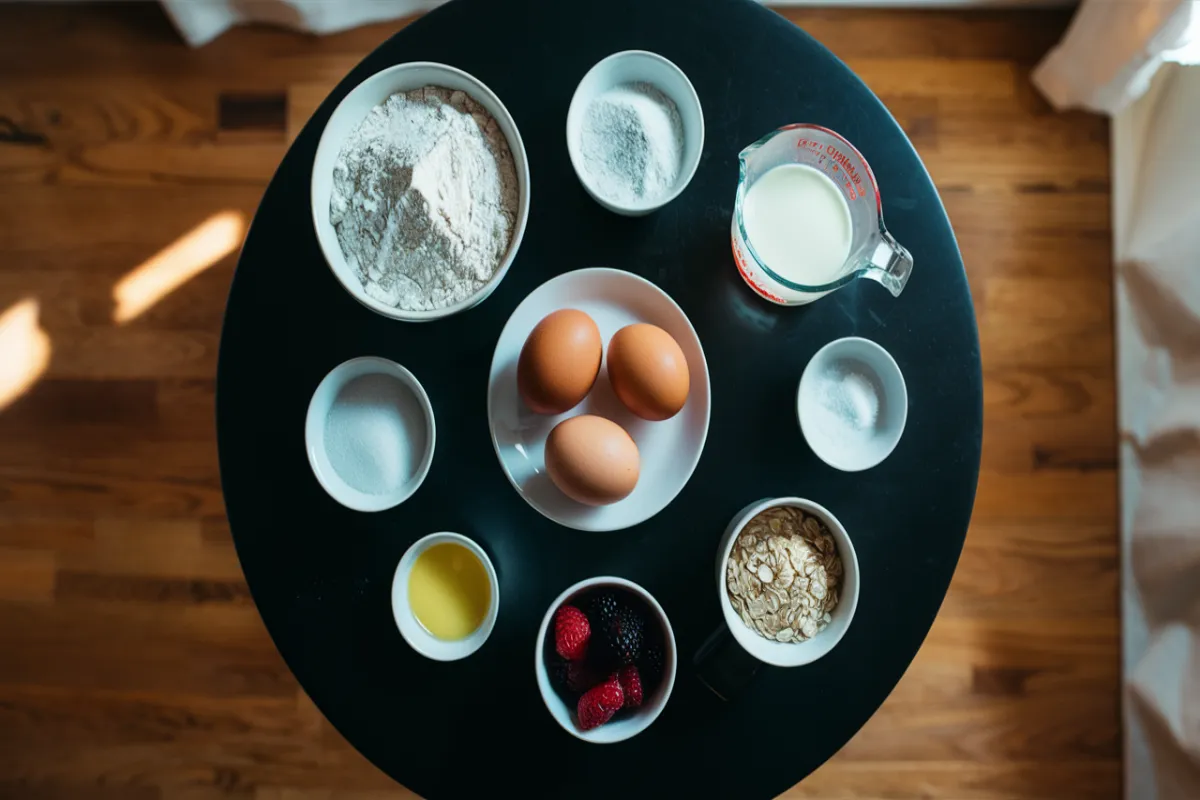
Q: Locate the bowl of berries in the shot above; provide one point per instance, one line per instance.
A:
(605, 660)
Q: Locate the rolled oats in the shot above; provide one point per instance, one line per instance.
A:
(784, 575)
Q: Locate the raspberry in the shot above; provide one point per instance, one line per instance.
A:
(571, 633)
(599, 703)
(631, 686)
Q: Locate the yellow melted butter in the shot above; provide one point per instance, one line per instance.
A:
(449, 591)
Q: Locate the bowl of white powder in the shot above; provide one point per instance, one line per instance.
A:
(635, 131)
(420, 191)
(369, 434)
(852, 404)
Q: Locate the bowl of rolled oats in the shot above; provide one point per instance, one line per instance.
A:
(788, 578)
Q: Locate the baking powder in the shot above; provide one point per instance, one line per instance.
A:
(846, 411)
(632, 144)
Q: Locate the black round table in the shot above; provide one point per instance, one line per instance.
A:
(321, 574)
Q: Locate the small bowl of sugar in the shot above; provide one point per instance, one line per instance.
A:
(852, 404)
(635, 130)
(369, 434)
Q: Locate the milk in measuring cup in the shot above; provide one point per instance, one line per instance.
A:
(799, 224)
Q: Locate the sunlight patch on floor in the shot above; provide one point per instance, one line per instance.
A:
(24, 350)
(179, 262)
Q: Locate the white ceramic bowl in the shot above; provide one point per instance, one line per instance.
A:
(634, 66)
(668, 450)
(413, 632)
(791, 654)
(415, 447)
(349, 114)
(852, 453)
(628, 725)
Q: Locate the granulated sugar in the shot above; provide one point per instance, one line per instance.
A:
(375, 434)
(632, 144)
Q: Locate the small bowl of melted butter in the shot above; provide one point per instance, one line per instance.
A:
(445, 596)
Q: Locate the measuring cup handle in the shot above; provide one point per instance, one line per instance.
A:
(891, 264)
(724, 666)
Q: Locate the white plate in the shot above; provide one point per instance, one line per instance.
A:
(669, 450)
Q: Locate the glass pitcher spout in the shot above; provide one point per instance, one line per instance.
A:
(890, 264)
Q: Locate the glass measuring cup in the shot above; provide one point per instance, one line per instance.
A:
(873, 252)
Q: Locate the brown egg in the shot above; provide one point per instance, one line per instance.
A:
(559, 362)
(592, 460)
(648, 371)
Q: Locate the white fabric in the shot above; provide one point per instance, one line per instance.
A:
(201, 21)
(1156, 164)
(1113, 49)
(1121, 57)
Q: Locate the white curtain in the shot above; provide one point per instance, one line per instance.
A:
(1128, 58)
(1114, 48)
(201, 21)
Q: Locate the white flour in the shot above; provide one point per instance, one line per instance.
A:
(425, 199)
(632, 144)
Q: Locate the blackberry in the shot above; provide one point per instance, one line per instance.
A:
(572, 678)
(626, 635)
(558, 669)
(652, 664)
(601, 609)
(618, 629)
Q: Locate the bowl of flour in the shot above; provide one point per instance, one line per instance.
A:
(420, 191)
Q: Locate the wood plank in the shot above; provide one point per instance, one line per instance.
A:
(1012, 215)
(1068, 726)
(1055, 300)
(300, 793)
(1011, 343)
(932, 77)
(1031, 394)
(961, 780)
(1036, 570)
(213, 649)
(57, 532)
(89, 476)
(133, 716)
(26, 575)
(880, 33)
(1074, 443)
(1088, 497)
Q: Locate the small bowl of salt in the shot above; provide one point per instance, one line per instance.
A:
(370, 434)
(635, 130)
(852, 404)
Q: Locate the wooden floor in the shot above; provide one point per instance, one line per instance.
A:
(132, 662)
